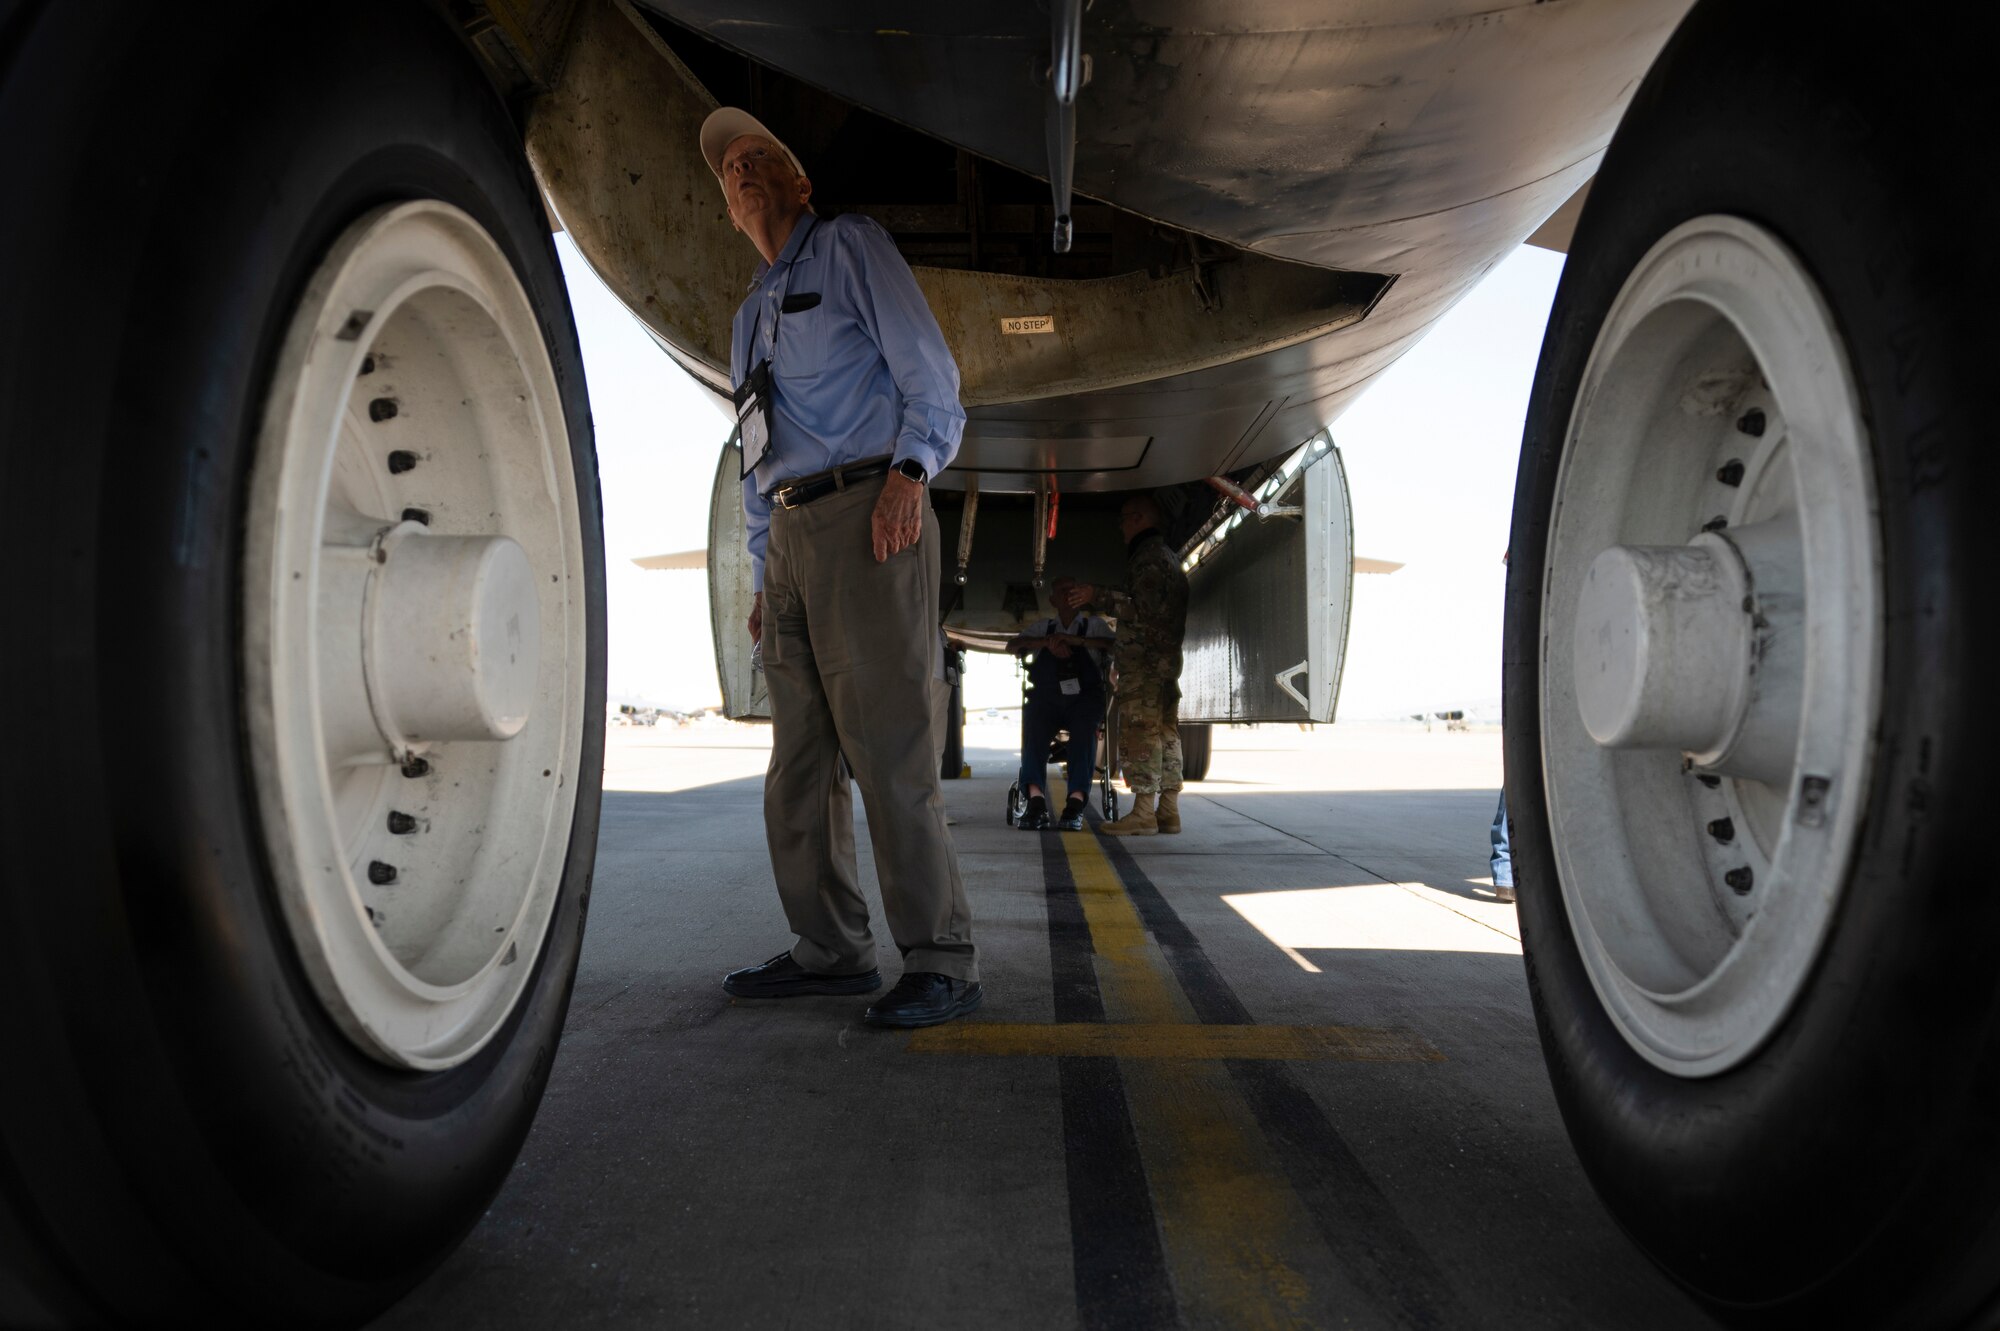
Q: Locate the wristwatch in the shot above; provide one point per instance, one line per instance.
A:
(914, 470)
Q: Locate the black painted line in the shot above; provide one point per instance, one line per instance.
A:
(1214, 1002)
(1354, 1217)
(1358, 1223)
(1121, 1267)
(1120, 1264)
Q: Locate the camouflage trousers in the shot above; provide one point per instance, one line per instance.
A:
(1149, 735)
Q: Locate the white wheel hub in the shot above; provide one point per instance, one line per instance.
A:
(451, 636)
(1711, 644)
(1662, 649)
(415, 634)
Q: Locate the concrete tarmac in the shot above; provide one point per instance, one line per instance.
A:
(1277, 1071)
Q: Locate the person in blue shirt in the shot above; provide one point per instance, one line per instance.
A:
(847, 401)
(1066, 687)
(1501, 860)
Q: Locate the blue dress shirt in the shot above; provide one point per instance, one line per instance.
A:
(863, 373)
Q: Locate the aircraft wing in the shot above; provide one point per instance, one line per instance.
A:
(684, 559)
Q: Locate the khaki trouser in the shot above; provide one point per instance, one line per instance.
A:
(940, 721)
(849, 647)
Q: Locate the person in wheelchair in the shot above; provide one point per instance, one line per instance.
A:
(1067, 685)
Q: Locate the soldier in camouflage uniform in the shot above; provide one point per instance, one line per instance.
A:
(1151, 610)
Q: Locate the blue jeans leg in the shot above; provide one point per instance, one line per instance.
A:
(1081, 718)
(1503, 857)
(1039, 722)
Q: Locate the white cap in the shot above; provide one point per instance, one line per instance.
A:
(725, 125)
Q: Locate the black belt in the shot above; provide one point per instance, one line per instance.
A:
(797, 494)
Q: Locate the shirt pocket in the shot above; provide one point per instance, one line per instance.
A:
(803, 338)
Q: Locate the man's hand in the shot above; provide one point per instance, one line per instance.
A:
(757, 619)
(1059, 647)
(1079, 595)
(899, 516)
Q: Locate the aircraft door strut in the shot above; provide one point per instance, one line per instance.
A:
(1044, 519)
(967, 517)
(1069, 70)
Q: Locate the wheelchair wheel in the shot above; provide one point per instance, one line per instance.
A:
(1107, 748)
(1013, 803)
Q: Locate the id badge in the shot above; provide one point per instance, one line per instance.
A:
(753, 432)
(753, 416)
(1071, 687)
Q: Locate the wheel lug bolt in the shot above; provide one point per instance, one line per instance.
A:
(381, 874)
(402, 460)
(1739, 880)
(382, 409)
(417, 515)
(1751, 422)
(1812, 800)
(401, 824)
(1731, 472)
(367, 365)
(1723, 830)
(417, 767)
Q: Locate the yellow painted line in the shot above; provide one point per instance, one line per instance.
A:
(1132, 975)
(1238, 1240)
(1355, 1044)
(1237, 1237)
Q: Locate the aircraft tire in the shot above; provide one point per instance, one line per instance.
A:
(190, 1136)
(1833, 1166)
(1197, 739)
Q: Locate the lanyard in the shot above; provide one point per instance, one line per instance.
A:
(784, 291)
(753, 396)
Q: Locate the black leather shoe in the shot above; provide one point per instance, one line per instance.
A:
(924, 998)
(781, 977)
(1072, 815)
(1035, 816)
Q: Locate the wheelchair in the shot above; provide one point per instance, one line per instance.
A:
(1104, 771)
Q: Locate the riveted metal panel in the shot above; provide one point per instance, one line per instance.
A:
(1267, 607)
(1329, 536)
(730, 596)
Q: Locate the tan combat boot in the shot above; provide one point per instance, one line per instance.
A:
(1139, 822)
(1168, 814)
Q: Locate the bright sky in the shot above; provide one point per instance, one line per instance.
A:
(1429, 452)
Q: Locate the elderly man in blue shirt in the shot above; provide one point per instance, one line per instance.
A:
(847, 402)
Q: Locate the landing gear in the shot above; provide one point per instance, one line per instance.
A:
(1107, 765)
(1745, 619)
(301, 501)
(952, 763)
(1197, 743)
